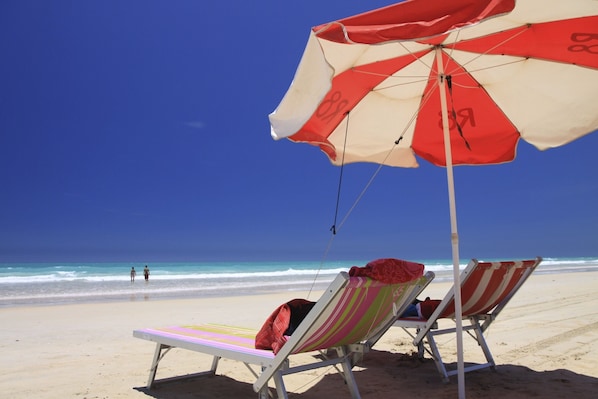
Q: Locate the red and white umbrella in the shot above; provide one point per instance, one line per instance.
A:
(455, 82)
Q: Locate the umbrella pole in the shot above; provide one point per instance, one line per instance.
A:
(454, 233)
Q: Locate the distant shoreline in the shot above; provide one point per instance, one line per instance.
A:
(140, 295)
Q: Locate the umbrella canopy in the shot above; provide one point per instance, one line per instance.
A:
(524, 69)
(452, 82)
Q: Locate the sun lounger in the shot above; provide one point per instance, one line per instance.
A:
(486, 288)
(352, 312)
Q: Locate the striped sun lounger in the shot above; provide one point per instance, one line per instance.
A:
(350, 316)
(486, 288)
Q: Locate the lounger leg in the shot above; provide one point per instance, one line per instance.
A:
(420, 345)
(437, 358)
(281, 390)
(155, 361)
(420, 350)
(348, 373)
(263, 394)
(215, 361)
(482, 342)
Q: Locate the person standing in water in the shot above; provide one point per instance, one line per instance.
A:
(146, 273)
(133, 274)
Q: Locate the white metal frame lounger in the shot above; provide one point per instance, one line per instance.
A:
(486, 288)
(350, 316)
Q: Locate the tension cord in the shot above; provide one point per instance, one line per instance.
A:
(340, 179)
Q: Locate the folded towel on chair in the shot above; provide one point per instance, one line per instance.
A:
(389, 270)
(282, 323)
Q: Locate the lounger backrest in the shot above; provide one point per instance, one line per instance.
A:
(352, 310)
(486, 285)
(358, 312)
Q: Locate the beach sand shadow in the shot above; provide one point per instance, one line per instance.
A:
(217, 386)
(383, 374)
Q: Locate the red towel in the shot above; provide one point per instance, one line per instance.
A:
(389, 270)
(428, 307)
(282, 323)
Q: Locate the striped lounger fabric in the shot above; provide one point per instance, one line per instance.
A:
(486, 288)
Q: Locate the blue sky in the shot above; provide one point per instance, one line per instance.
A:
(138, 131)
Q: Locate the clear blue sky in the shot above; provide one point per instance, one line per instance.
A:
(138, 131)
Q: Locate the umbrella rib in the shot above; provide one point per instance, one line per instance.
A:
(419, 59)
(416, 58)
(478, 55)
(470, 71)
(423, 79)
(423, 102)
(452, 48)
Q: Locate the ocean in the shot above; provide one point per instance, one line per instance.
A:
(23, 284)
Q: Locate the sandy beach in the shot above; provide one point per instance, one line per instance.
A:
(545, 344)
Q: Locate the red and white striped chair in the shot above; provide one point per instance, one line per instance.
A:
(486, 288)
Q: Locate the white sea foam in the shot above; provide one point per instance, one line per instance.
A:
(73, 275)
(22, 284)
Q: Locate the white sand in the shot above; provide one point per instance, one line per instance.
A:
(545, 343)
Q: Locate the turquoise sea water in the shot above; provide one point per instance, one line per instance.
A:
(59, 283)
